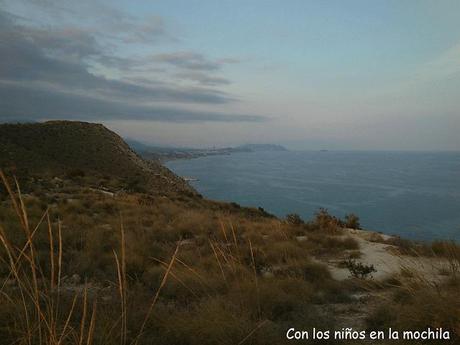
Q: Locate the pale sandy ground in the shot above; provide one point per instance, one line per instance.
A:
(388, 263)
(386, 259)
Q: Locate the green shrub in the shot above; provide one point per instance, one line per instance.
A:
(358, 269)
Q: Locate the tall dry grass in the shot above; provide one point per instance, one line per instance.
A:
(44, 311)
(420, 300)
(41, 307)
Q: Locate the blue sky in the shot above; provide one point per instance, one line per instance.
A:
(307, 74)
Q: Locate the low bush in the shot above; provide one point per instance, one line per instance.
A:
(352, 221)
(358, 269)
(294, 219)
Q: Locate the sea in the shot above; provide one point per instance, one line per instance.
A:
(415, 195)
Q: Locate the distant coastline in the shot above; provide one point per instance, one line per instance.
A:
(164, 154)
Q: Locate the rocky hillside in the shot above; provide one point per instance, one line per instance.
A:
(68, 147)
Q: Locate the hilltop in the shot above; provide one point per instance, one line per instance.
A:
(79, 148)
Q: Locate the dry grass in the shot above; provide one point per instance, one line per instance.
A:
(37, 304)
(418, 301)
(86, 268)
(204, 268)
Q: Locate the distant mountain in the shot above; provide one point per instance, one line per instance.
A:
(59, 147)
(159, 153)
(262, 147)
(136, 145)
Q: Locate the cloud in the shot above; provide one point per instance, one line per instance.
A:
(202, 78)
(18, 102)
(148, 30)
(195, 67)
(446, 65)
(98, 17)
(52, 73)
(188, 60)
(33, 56)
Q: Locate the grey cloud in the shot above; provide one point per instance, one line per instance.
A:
(18, 102)
(25, 65)
(99, 18)
(34, 54)
(188, 60)
(148, 30)
(45, 73)
(195, 67)
(29, 55)
(203, 78)
(68, 43)
(229, 60)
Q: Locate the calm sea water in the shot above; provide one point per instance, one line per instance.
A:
(415, 195)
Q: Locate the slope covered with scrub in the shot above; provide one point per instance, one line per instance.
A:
(86, 257)
(70, 147)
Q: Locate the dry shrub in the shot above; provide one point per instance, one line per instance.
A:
(216, 287)
(214, 321)
(40, 306)
(282, 252)
(315, 272)
(326, 223)
(332, 244)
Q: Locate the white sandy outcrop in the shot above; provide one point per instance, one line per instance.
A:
(387, 260)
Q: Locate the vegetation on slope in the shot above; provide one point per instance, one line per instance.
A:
(80, 148)
(235, 270)
(191, 271)
(87, 259)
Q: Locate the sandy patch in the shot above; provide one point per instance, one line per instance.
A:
(386, 260)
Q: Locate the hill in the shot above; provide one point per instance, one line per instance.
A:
(79, 148)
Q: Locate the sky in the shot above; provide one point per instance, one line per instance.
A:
(364, 75)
